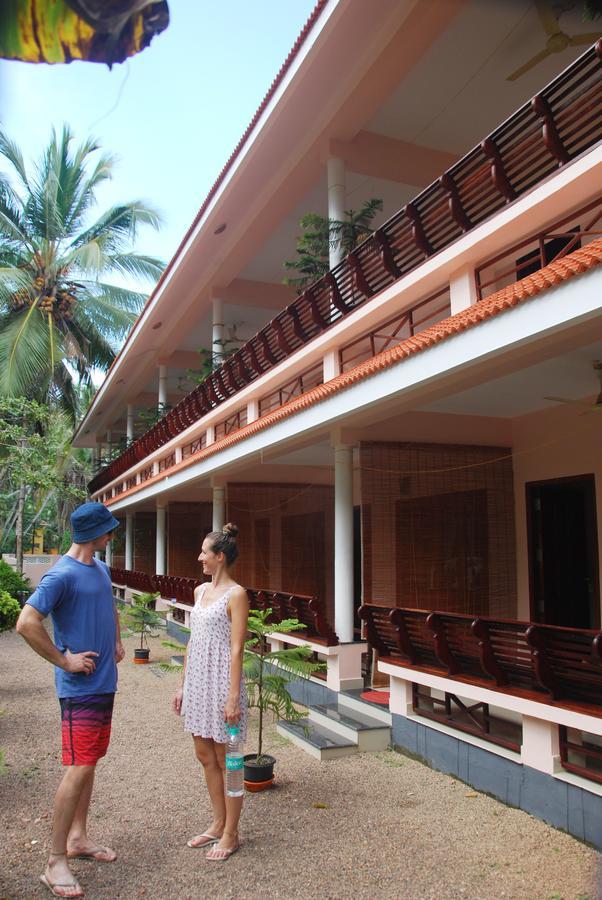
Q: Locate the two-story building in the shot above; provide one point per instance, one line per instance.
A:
(418, 432)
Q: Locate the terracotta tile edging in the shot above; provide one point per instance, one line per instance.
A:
(555, 273)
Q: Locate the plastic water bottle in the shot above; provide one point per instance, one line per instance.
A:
(234, 763)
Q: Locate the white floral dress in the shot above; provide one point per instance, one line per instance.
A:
(207, 680)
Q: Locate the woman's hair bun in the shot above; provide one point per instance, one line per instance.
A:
(231, 530)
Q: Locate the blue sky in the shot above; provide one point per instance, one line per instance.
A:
(172, 114)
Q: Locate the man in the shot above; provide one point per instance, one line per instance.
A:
(78, 594)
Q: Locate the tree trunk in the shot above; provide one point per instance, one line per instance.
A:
(19, 528)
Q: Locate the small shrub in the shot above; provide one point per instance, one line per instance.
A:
(12, 582)
(9, 611)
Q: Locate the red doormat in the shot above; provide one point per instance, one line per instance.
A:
(381, 697)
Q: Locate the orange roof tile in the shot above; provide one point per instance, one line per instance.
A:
(555, 273)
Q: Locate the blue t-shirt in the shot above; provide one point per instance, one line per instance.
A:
(79, 598)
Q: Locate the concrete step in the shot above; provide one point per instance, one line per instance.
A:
(349, 701)
(361, 728)
(319, 742)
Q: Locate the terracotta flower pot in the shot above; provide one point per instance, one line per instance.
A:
(141, 656)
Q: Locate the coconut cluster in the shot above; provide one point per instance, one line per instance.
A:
(59, 303)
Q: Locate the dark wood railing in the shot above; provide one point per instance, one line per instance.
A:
(308, 610)
(542, 662)
(554, 128)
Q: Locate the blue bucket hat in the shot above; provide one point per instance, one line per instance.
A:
(90, 521)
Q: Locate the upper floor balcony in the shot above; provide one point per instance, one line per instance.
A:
(558, 126)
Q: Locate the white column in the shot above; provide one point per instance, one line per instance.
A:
(336, 201)
(252, 411)
(161, 540)
(343, 542)
(217, 334)
(219, 507)
(130, 423)
(541, 745)
(462, 290)
(162, 397)
(109, 554)
(129, 541)
(331, 364)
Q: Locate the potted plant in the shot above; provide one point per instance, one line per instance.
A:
(267, 673)
(142, 621)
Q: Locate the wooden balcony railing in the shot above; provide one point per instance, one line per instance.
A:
(554, 128)
(308, 610)
(541, 662)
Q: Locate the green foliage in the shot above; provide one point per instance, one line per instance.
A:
(58, 320)
(9, 611)
(321, 234)
(35, 451)
(592, 9)
(210, 361)
(142, 620)
(267, 689)
(10, 581)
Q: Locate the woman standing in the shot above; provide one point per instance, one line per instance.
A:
(212, 695)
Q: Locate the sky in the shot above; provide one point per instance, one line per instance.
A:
(172, 114)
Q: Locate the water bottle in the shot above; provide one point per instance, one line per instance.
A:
(234, 763)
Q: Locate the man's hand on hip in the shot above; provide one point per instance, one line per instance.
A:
(80, 662)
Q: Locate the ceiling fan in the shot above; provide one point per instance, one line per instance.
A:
(557, 40)
(591, 407)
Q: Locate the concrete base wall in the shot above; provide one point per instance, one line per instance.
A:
(308, 693)
(563, 805)
(175, 631)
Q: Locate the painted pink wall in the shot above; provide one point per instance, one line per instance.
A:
(554, 443)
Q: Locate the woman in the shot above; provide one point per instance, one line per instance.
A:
(212, 695)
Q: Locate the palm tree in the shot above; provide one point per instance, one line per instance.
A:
(58, 320)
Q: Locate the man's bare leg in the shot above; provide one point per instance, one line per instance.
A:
(78, 841)
(75, 782)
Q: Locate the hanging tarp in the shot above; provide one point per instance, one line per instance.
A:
(60, 31)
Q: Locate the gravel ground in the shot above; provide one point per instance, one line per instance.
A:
(369, 826)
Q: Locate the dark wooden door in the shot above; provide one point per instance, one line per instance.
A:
(563, 552)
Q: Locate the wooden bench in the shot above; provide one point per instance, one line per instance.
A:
(308, 610)
(542, 662)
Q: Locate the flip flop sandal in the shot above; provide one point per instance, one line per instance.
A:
(211, 839)
(96, 854)
(51, 885)
(221, 854)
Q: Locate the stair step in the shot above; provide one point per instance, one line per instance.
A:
(368, 732)
(319, 742)
(351, 702)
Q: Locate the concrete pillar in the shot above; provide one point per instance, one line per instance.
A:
(162, 396)
(462, 290)
(540, 748)
(130, 423)
(343, 542)
(161, 545)
(129, 541)
(331, 364)
(217, 333)
(336, 201)
(252, 411)
(219, 507)
(109, 554)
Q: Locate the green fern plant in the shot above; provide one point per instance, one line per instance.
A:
(267, 689)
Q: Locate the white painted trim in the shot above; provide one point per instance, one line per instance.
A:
(521, 705)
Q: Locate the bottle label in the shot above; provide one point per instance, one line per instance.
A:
(234, 763)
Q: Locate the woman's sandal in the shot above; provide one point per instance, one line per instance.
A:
(221, 854)
(197, 842)
(52, 885)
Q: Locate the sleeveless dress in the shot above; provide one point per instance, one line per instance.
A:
(207, 680)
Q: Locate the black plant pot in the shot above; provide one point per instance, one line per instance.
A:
(258, 775)
(141, 656)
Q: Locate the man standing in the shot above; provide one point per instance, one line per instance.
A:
(78, 594)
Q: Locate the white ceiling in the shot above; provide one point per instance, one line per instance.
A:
(569, 376)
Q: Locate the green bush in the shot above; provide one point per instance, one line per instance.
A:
(9, 611)
(10, 581)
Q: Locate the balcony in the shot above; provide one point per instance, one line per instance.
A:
(557, 126)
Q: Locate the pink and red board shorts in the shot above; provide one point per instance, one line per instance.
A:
(86, 728)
